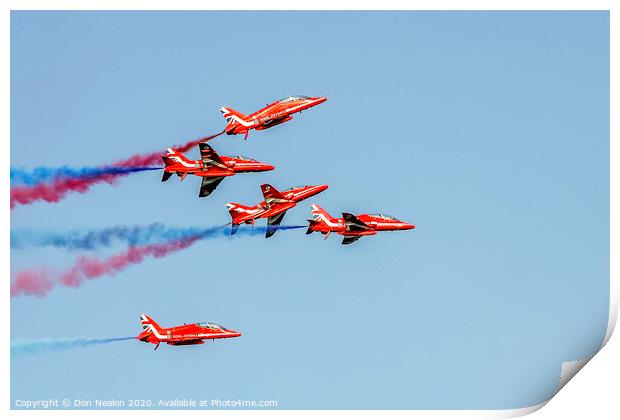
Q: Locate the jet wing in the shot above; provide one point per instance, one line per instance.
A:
(273, 223)
(272, 195)
(208, 185)
(353, 223)
(185, 342)
(209, 157)
(349, 239)
(270, 122)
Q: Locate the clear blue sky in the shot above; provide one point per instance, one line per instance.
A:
(489, 131)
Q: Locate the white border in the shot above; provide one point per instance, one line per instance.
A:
(568, 369)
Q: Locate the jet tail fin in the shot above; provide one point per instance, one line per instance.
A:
(172, 157)
(231, 115)
(149, 324)
(236, 212)
(320, 215)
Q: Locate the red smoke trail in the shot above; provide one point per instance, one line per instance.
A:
(155, 157)
(38, 282)
(56, 190)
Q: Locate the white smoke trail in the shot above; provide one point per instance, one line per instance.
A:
(26, 346)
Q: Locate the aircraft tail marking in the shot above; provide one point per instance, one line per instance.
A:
(231, 116)
(321, 215)
(149, 324)
(172, 157)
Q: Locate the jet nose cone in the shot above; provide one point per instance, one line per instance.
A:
(267, 167)
(321, 188)
(320, 100)
(235, 333)
(407, 226)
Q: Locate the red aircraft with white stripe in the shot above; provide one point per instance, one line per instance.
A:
(212, 167)
(182, 335)
(273, 114)
(273, 208)
(352, 227)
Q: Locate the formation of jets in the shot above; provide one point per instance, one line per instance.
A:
(213, 168)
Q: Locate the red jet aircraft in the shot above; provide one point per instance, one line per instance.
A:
(182, 335)
(273, 208)
(352, 227)
(273, 114)
(212, 167)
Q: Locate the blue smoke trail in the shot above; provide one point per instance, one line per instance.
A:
(46, 174)
(90, 240)
(24, 346)
(129, 235)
